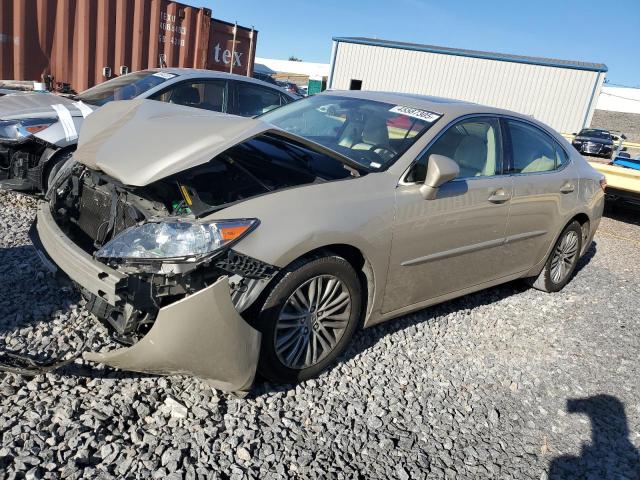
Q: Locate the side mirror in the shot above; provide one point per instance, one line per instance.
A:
(574, 134)
(440, 170)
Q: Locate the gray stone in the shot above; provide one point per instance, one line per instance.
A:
(474, 388)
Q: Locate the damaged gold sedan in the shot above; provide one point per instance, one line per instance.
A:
(218, 246)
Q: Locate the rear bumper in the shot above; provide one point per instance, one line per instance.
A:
(201, 335)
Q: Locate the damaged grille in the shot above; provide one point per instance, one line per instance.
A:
(95, 215)
(245, 266)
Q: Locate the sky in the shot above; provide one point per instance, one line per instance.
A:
(588, 30)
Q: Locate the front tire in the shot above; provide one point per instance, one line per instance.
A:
(562, 260)
(55, 164)
(308, 318)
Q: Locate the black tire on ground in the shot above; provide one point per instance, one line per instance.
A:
(53, 166)
(544, 280)
(287, 282)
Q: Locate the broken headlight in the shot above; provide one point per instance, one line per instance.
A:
(175, 239)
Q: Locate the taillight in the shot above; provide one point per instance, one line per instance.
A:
(603, 183)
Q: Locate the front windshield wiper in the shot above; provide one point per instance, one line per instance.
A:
(230, 161)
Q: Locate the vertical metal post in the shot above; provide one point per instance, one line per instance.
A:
(250, 52)
(233, 47)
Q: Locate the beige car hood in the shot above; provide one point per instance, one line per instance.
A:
(140, 141)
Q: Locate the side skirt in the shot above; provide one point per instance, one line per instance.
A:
(443, 298)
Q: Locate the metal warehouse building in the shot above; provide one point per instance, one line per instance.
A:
(560, 93)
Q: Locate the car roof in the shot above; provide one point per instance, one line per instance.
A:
(204, 73)
(446, 106)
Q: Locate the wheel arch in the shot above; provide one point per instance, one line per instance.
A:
(363, 267)
(585, 224)
(353, 255)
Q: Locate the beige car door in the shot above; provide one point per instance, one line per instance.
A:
(545, 191)
(454, 241)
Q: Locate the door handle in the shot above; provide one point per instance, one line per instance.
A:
(567, 188)
(498, 196)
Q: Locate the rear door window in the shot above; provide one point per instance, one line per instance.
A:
(255, 100)
(205, 94)
(532, 150)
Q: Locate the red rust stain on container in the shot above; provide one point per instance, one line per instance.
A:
(75, 40)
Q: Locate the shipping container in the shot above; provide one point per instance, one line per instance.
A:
(229, 51)
(85, 42)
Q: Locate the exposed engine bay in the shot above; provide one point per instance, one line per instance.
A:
(22, 164)
(93, 209)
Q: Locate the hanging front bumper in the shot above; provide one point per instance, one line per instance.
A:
(201, 335)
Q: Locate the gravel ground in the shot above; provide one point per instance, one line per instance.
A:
(506, 383)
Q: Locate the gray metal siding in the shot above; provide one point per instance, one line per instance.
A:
(561, 97)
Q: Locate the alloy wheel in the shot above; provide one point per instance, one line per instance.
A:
(564, 257)
(312, 321)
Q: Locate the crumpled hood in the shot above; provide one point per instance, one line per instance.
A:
(36, 105)
(140, 141)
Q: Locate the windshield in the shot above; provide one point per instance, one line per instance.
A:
(589, 132)
(374, 134)
(125, 87)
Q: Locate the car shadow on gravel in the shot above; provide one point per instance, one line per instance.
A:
(586, 258)
(365, 339)
(610, 454)
(93, 371)
(28, 294)
(622, 212)
(362, 341)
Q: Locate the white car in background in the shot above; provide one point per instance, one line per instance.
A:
(39, 131)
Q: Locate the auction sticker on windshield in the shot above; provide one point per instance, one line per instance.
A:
(164, 75)
(425, 115)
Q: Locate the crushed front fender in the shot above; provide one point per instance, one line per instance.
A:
(201, 335)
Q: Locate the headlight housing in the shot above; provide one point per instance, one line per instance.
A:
(18, 130)
(176, 239)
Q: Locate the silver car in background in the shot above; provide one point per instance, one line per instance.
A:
(216, 246)
(39, 131)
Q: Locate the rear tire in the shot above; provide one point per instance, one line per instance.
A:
(562, 261)
(303, 332)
